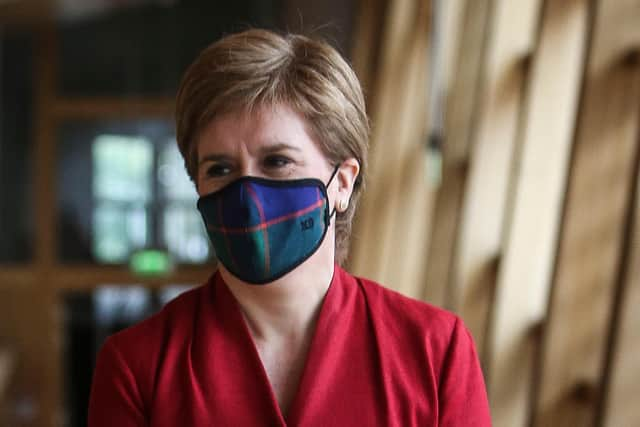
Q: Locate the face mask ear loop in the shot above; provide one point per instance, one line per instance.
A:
(335, 171)
(333, 174)
(333, 213)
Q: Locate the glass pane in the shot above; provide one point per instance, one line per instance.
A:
(118, 230)
(117, 307)
(110, 243)
(184, 233)
(89, 318)
(107, 191)
(122, 168)
(175, 184)
(122, 187)
(16, 136)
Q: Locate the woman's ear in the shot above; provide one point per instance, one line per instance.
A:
(347, 174)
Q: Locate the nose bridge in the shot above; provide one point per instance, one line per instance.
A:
(247, 163)
(248, 166)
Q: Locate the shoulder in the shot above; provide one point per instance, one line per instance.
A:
(139, 348)
(405, 311)
(126, 366)
(178, 313)
(422, 335)
(413, 326)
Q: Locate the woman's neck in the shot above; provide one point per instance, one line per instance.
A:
(287, 308)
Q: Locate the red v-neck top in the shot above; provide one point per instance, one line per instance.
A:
(377, 358)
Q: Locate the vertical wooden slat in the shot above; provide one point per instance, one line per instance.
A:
(593, 227)
(460, 102)
(394, 211)
(42, 305)
(524, 273)
(2, 65)
(44, 153)
(7, 361)
(405, 219)
(367, 36)
(512, 37)
(452, 15)
(621, 407)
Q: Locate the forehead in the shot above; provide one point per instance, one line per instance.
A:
(251, 130)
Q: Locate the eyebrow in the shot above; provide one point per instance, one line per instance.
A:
(268, 149)
(213, 158)
(280, 146)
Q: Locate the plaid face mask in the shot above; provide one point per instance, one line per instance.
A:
(261, 229)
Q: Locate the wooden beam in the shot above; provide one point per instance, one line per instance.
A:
(479, 245)
(367, 34)
(598, 200)
(104, 107)
(394, 215)
(17, 276)
(87, 278)
(525, 271)
(460, 102)
(621, 406)
(408, 205)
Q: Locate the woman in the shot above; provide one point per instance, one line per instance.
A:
(274, 134)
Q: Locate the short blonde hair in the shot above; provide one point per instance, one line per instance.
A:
(258, 68)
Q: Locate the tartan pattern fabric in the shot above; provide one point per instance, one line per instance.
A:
(262, 229)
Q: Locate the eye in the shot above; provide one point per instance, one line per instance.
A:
(276, 161)
(218, 170)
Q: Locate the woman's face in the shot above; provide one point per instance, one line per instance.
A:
(271, 142)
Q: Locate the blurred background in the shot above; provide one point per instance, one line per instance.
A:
(503, 185)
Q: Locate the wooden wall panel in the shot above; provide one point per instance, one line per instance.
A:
(598, 197)
(526, 254)
(512, 36)
(524, 273)
(622, 400)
